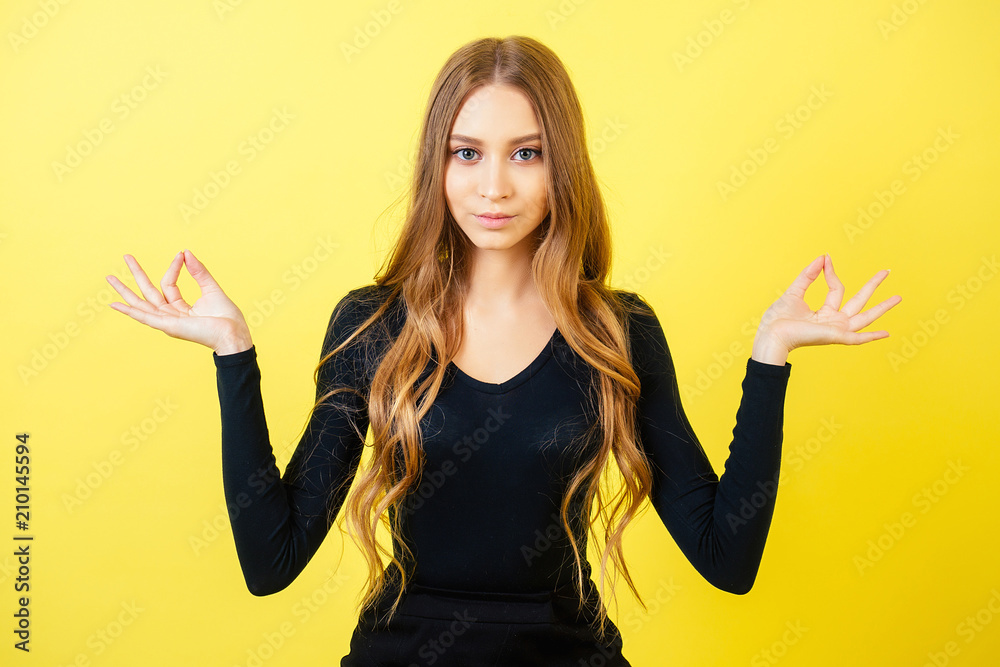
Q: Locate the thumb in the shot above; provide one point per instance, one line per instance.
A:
(200, 273)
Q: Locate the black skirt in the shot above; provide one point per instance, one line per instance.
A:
(450, 628)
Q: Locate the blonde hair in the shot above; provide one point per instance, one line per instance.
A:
(428, 269)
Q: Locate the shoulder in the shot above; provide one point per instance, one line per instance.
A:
(367, 297)
(650, 353)
(632, 299)
(355, 360)
(353, 310)
(636, 312)
(360, 303)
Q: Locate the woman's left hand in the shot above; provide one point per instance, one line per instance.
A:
(790, 323)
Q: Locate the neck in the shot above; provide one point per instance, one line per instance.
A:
(500, 277)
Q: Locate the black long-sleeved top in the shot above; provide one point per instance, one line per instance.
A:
(498, 460)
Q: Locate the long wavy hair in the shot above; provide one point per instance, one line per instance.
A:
(429, 269)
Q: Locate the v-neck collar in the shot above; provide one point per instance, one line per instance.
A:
(519, 379)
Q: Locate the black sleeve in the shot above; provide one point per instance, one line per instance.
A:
(279, 522)
(720, 525)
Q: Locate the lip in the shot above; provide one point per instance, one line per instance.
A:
(494, 220)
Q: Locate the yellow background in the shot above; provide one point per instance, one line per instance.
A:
(866, 428)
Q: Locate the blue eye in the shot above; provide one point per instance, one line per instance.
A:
(521, 151)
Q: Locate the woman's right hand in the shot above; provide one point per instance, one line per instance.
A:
(213, 320)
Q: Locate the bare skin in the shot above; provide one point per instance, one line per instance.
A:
(492, 168)
(216, 322)
(495, 166)
(213, 320)
(790, 323)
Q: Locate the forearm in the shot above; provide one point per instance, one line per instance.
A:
(706, 515)
(747, 491)
(720, 524)
(272, 543)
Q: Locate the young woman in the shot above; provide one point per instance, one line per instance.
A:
(512, 395)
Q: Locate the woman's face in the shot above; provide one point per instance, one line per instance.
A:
(495, 167)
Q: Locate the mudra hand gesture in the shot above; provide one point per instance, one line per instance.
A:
(213, 320)
(790, 323)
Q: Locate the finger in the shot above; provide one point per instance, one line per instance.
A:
(805, 279)
(836, 293)
(130, 297)
(149, 318)
(169, 284)
(145, 286)
(862, 320)
(858, 301)
(200, 273)
(862, 337)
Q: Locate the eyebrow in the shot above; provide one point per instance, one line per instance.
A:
(473, 140)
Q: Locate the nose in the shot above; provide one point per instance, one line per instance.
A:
(495, 182)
